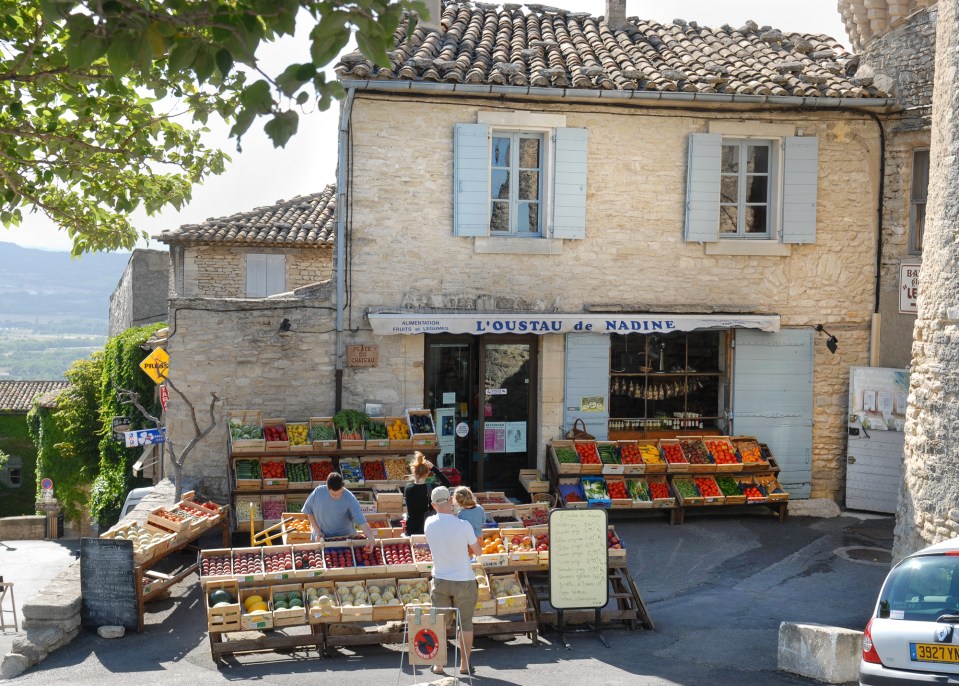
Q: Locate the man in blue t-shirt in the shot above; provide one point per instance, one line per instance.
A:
(334, 512)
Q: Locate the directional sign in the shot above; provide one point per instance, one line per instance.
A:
(120, 426)
(156, 365)
(135, 439)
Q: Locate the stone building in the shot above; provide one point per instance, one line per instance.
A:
(634, 224)
(140, 297)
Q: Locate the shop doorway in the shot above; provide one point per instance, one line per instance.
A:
(484, 396)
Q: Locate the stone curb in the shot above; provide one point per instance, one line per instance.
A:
(826, 653)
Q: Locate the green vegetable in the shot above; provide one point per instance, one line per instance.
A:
(322, 432)
(567, 455)
(687, 489)
(595, 489)
(376, 429)
(728, 485)
(350, 421)
(637, 489)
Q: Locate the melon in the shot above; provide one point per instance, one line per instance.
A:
(251, 601)
(220, 596)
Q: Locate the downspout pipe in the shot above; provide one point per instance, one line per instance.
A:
(342, 192)
(876, 337)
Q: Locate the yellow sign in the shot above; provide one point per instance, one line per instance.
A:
(156, 365)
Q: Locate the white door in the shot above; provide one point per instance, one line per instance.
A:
(587, 375)
(773, 399)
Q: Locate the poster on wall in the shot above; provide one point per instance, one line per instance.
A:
(494, 437)
(446, 426)
(878, 397)
(515, 437)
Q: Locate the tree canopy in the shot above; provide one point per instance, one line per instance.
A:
(103, 103)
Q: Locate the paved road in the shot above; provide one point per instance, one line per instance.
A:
(717, 589)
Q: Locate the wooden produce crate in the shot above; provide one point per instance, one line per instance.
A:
(752, 490)
(612, 537)
(631, 458)
(347, 598)
(706, 485)
(540, 536)
(349, 468)
(297, 530)
(482, 582)
(691, 495)
(774, 490)
(399, 432)
(495, 553)
(659, 480)
(572, 494)
(298, 474)
(519, 546)
(672, 451)
(366, 499)
(421, 438)
(564, 468)
(214, 513)
(373, 466)
(588, 447)
(245, 418)
(308, 561)
(638, 491)
(351, 443)
(694, 448)
(273, 506)
(247, 471)
(653, 460)
(594, 488)
(734, 496)
(278, 439)
(215, 564)
(513, 602)
(724, 454)
(317, 612)
(380, 523)
(493, 500)
(225, 617)
(290, 615)
(241, 512)
(505, 518)
(299, 434)
(532, 480)
(333, 570)
(295, 502)
(383, 442)
(614, 483)
(273, 473)
(320, 467)
(389, 499)
(533, 514)
(395, 553)
(164, 518)
(414, 592)
(750, 453)
(258, 621)
(485, 608)
(386, 589)
(609, 456)
(248, 565)
(323, 443)
(422, 556)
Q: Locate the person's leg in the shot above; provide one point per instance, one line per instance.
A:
(440, 596)
(466, 646)
(465, 600)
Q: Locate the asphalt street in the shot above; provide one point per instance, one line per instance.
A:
(716, 587)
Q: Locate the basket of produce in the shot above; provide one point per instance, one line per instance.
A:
(222, 606)
(422, 427)
(609, 456)
(750, 453)
(243, 505)
(374, 471)
(565, 457)
(338, 559)
(533, 514)
(694, 448)
(398, 431)
(631, 457)
(322, 433)
(246, 431)
(247, 472)
(375, 433)
(298, 474)
(215, 565)
(308, 560)
(493, 500)
(354, 601)
(295, 503)
(752, 490)
(724, 454)
(350, 424)
(505, 519)
(320, 468)
(248, 564)
(383, 595)
(519, 546)
(273, 506)
(398, 555)
(730, 490)
(589, 462)
(273, 471)
(709, 490)
(615, 545)
(278, 562)
(321, 607)
(676, 462)
(594, 488)
(397, 470)
(274, 432)
(299, 434)
(652, 458)
(619, 496)
(255, 613)
(422, 555)
(572, 494)
(296, 528)
(287, 602)
(659, 491)
(686, 491)
(508, 593)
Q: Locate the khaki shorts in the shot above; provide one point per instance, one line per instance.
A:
(459, 594)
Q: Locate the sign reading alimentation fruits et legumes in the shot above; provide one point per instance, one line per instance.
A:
(578, 559)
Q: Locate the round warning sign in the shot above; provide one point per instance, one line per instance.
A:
(47, 484)
(462, 429)
(426, 644)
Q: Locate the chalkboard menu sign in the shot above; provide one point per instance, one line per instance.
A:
(578, 559)
(107, 584)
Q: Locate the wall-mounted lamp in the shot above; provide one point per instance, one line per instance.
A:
(832, 342)
(285, 325)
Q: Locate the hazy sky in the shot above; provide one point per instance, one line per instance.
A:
(261, 175)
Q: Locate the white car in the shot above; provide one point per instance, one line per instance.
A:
(913, 635)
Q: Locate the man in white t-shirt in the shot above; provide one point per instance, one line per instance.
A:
(451, 541)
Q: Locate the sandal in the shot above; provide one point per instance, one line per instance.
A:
(437, 669)
(469, 670)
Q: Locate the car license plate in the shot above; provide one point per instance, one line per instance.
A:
(934, 652)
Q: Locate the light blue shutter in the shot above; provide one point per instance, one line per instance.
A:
(256, 275)
(471, 196)
(569, 184)
(275, 274)
(773, 399)
(800, 179)
(702, 187)
(587, 374)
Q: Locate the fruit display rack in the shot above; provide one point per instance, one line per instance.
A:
(675, 475)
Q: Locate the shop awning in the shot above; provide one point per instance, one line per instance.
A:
(479, 323)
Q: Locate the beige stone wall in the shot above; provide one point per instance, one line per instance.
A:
(212, 271)
(634, 253)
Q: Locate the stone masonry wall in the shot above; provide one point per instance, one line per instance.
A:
(212, 271)
(634, 253)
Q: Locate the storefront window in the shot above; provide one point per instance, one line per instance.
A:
(667, 382)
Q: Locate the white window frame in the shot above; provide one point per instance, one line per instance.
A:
(774, 175)
(251, 290)
(916, 232)
(547, 143)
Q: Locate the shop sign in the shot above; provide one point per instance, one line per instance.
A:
(164, 397)
(120, 425)
(908, 288)
(156, 365)
(592, 403)
(391, 323)
(362, 355)
(135, 439)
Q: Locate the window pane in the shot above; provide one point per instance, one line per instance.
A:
(500, 156)
(758, 159)
(757, 189)
(730, 163)
(15, 478)
(529, 153)
(920, 174)
(499, 216)
(729, 189)
(528, 217)
(756, 219)
(528, 185)
(727, 219)
(918, 224)
(499, 184)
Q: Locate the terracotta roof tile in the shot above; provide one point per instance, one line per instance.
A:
(17, 396)
(304, 221)
(547, 47)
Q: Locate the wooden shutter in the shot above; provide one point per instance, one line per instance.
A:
(587, 374)
(471, 195)
(275, 274)
(702, 187)
(800, 179)
(569, 183)
(773, 399)
(256, 275)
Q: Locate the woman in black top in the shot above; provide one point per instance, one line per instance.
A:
(417, 494)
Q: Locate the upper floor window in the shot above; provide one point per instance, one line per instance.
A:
(12, 473)
(917, 199)
(745, 192)
(516, 183)
(265, 274)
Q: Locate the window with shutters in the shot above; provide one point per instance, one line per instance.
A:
(265, 274)
(917, 199)
(516, 183)
(745, 188)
